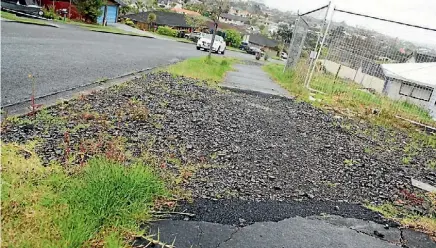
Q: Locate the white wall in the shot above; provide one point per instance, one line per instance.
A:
(225, 20)
(393, 91)
(365, 80)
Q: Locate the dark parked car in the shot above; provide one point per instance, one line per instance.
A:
(28, 7)
(253, 50)
(244, 45)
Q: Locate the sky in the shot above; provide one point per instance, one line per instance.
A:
(418, 12)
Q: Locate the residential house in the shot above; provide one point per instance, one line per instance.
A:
(233, 19)
(260, 40)
(111, 8)
(167, 4)
(412, 82)
(163, 18)
(239, 12)
(185, 11)
(422, 55)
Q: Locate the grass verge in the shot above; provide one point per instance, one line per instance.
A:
(13, 17)
(417, 212)
(99, 204)
(103, 29)
(344, 96)
(209, 69)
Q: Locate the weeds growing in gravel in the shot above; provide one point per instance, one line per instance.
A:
(411, 210)
(342, 95)
(211, 70)
(101, 203)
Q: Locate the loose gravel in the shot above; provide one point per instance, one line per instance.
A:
(256, 147)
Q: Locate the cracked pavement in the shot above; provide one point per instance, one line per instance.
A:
(313, 231)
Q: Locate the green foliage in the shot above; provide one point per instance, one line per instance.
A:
(164, 30)
(151, 18)
(195, 21)
(343, 94)
(91, 9)
(50, 13)
(129, 22)
(234, 38)
(51, 207)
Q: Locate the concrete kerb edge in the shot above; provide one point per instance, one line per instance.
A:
(34, 23)
(134, 35)
(49, 100)
(256, 93)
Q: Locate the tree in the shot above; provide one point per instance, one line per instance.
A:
(215, 8)
(90, 9)
(233, 37)
(125, 9)
(140, 6)
(195, 21)
(151, 19)
(284, 33)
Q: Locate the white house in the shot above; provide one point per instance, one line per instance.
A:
(233, 19)
(413, 82)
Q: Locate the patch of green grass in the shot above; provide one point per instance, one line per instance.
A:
(203, 68)
(50, 207)
(344, 95)
(13, 17)
(406, 218)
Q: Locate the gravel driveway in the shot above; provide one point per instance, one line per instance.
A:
(255, 147)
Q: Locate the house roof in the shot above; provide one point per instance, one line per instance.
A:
(120, 2)
(234, 17)
(418, 73)
(262, 40)
(162, 18)
(185, 11)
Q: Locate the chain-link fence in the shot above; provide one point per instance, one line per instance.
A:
(376, 62)
(306, 36)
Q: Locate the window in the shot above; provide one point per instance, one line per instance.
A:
(416, 91)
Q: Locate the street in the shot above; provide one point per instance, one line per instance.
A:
(66, 57)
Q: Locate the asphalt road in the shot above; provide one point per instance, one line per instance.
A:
(62, 58)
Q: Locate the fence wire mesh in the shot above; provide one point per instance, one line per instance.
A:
(306, 38)
(361, 56)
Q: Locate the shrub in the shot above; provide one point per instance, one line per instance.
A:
(129, 22)
(164, 30)
(50, 13)
(234, 38)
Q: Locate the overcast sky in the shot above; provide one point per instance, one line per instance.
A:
(418, 12)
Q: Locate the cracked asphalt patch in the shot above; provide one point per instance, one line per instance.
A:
(313, 231)
(292, 232)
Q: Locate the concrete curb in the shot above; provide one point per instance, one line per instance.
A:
(32, 23)
(135, 35)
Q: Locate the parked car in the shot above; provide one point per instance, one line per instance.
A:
(219, 45)
(244, 45)
(26, 7)
(195, 36)
(283, 55)
(253, 50)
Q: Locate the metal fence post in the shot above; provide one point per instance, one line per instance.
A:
(321, 46)
(306, 83)
(292, 41)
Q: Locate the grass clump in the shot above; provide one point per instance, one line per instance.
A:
(203, 68)
(50, 207)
